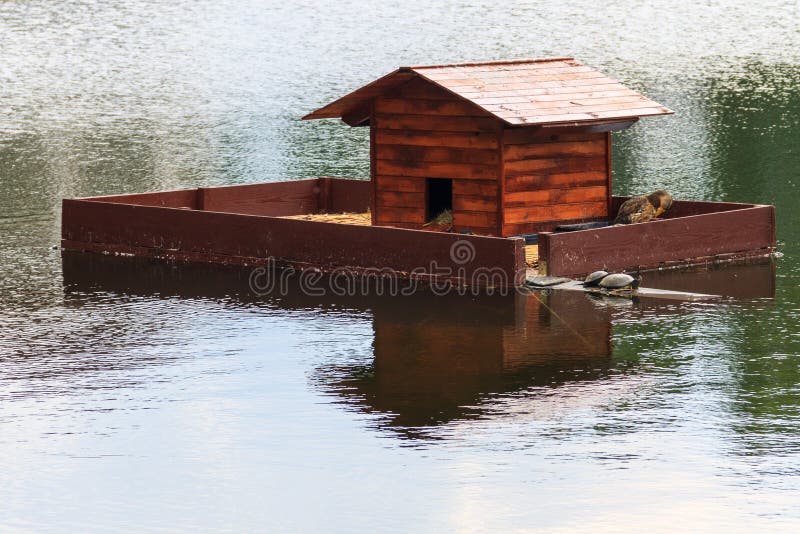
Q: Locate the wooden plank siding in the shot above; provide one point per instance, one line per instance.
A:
(506, 181)
(553, 179)
(421, 131)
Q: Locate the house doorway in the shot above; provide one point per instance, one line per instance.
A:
(439, 197)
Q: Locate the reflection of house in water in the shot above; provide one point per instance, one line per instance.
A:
(435, 359)
(439, 359)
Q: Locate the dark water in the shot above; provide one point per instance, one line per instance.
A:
(136, 395)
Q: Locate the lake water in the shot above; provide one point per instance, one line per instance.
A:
(141, 396)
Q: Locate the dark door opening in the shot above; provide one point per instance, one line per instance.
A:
(439, 197)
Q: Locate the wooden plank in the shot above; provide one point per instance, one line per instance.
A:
(633, 112)
(482, 188)
(516, 215)
(373, 176)
(557, 196)
(407, 153)
(323, 193)
(348, 195)
(502, 85)
(428, 106)
(462, 203)
(555, 165)
(557, 103)
(187, 198)
(504, 65)
(556, 93)
(642, 292)
(501, 190)
(593, 127)
(437, 170)
(529, 79)
(670, 240)
(554, 181)
(406, 199)
(471, 219)
(436, 124)
(275, 199)
(488, 140)
(533, 72)
(592, 147)
(598, 87)
(608, 173)
(516, 136)
(522, 118)
(401, 214)
(396, 183)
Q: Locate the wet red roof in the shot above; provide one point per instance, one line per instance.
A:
(520, 92)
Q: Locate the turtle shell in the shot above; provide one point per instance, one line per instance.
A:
(617, 281)
(594, 278)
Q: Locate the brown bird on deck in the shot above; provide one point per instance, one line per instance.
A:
(643, 208)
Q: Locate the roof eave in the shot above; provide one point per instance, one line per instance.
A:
(330, 111)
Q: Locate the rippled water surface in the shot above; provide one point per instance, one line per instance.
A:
(140, 396)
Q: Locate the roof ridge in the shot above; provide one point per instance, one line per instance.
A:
(501, 62)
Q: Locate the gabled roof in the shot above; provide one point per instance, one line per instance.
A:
(521, 92)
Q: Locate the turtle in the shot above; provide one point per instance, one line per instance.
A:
(594, 278)
(618, 281)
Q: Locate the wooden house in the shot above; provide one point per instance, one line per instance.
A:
(510, 147)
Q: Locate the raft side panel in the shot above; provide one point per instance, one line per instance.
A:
(183, 198)
(347, 195)
(230, 238)
(719, 231)
(275, 199)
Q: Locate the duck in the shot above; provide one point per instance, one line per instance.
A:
(644, 208)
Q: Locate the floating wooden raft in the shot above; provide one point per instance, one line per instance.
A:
(248, 224)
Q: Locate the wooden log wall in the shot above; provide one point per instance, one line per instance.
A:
(420, 131)
(553, 179)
